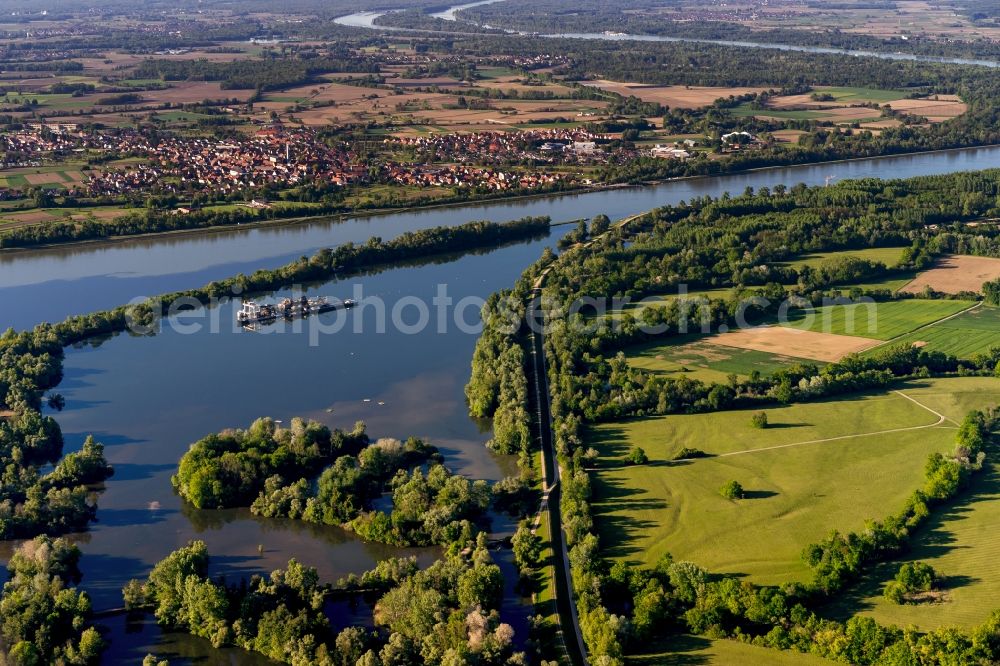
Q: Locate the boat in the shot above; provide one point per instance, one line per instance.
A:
(253, 312)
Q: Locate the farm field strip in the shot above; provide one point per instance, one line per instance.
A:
(884, 320)
(939, 322)
(956, 273)
(965, 334)
(792, 341)
(700, 359)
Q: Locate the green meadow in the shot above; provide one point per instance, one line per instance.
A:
(848, 94)
(959, 540)
(881, 321)
(710, 363)
(686, 650)
(817, 467)
(889, 256)
(964, 336)
(746, 110)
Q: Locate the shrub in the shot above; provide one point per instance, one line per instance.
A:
(759, 420)
(991, 292)
(686, 453)
(911, 579)
(636, 456)
(732, 490)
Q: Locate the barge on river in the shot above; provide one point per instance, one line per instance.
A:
(288, 308)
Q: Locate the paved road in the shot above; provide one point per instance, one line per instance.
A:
(550, 488)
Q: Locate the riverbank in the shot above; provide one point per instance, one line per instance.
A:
(381, 212)
(310, 219)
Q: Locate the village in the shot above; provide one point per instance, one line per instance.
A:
(129, 162)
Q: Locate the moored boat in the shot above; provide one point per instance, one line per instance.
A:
(253, 312)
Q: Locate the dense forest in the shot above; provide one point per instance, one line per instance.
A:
(269, 74)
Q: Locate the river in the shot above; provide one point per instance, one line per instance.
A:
(367, 20)
(451, 14)
(50, 284)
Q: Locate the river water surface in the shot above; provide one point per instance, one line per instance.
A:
(50, 284)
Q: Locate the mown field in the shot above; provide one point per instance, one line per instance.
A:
(849, 94)
(636, 308)
(701, 651)
(889, 256)
(880, 321)
(897, 322)
(964, 336)
(819, 466)
(960, 541)
(705, 361)
(746, 111)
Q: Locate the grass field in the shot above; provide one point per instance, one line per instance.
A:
(964, 336)
(959, 542)
(880, 321)
(710, 363)
(889, 256)
(635, 308)
(745, 110)
(847, 94)
(687, 650)
(494, 72)
(893, 282)
(800, 484)
(51, 176)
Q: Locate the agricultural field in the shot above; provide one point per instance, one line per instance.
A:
(796, 342)
(848, 105)
(681, 97)
(53, 176)
(902, 18)
(745, 111)
(817, 467)
(969, 333)
(955, 274)
(686, 650)
(884, 320)
(852, 94)
(635, 308)
(822, 334)
(889, 256)
(702, 360)
(10, 219)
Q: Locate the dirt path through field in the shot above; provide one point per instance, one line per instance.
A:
(940, 421)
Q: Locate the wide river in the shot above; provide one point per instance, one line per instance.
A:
(148, 398)
(366, 19)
